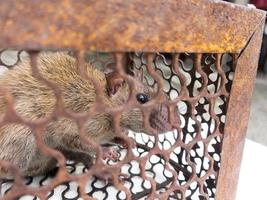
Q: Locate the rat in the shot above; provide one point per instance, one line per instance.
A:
(33, 99)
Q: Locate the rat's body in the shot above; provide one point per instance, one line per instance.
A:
(33, 100)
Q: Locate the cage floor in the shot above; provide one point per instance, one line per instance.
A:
(98, 188)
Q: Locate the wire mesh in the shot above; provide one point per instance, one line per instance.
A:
(180, 164)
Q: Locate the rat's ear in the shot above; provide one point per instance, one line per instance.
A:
(138, 74)
(114, 82)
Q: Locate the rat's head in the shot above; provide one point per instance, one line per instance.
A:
(132, 119)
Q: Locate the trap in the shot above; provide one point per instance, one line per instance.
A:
(202, 55)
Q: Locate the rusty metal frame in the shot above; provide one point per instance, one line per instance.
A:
(236, 121)
(198, 26)
(117, 25)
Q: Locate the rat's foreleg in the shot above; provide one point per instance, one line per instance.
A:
(76, 145)
(77, 157)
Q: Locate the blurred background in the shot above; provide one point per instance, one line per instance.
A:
(258, 117)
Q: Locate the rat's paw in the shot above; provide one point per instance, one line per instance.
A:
(110, 153)
(107, 177)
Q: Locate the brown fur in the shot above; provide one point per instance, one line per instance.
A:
(33, 99)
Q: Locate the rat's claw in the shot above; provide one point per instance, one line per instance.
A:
(123, 177)
(107, 177)
(110, 153)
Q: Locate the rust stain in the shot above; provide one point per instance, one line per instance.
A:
(204, 26)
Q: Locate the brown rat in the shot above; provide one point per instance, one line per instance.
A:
(33, 100)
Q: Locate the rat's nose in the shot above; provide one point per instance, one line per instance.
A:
(159, 119)
(165, 114)
(176, 119)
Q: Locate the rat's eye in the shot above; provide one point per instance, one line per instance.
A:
(142, 98)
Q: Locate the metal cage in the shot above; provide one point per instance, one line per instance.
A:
(202, 54)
